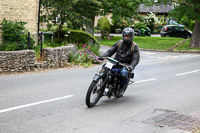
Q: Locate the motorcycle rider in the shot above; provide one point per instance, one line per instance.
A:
(127, 52)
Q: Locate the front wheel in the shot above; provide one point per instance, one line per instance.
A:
(94, 93)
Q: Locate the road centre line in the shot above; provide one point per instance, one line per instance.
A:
(187, 73)
(147, 80)
(33, 104)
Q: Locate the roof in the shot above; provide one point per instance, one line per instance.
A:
(156, 8)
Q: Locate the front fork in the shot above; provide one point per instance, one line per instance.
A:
(104, 75)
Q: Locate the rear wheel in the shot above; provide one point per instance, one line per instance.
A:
(94, 93)
(188, 36)
(120, 94)
(167, 36)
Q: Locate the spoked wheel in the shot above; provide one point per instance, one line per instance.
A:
(94, 93)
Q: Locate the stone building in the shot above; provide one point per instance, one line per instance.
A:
(21, 10)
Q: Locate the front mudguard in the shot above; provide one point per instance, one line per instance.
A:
(104, 77)
(97, 76)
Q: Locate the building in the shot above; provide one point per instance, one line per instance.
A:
(21, 10)
(159, 9)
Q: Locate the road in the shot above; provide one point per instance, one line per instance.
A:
(54, 101)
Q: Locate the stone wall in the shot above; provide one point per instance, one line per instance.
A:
(25, 60)
(24, 10)
(17, 61)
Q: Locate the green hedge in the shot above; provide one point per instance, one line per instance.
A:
(81, 37)
(104, 24)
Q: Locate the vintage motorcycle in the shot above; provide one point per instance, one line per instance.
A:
(107, 82)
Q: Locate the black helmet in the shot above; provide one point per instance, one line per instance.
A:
(128, 32)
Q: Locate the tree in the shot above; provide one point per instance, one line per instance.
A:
(123, 9)
(88, 9)
(73, 13)
(191, 10)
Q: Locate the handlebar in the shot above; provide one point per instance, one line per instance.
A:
(117, 62)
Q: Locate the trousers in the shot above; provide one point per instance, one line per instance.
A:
(123, 77)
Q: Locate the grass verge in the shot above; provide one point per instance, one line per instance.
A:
(185, 47)
(155, 43)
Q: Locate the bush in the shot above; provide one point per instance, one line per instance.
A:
(84, 56)
(139, 25)
(104, 24)
(81, 37)
(14, 36)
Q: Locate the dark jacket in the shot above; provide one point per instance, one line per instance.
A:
(124, 54)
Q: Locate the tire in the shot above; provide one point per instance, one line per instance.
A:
(188, 36)
(94, 89)
(120, 95)
(167, 36)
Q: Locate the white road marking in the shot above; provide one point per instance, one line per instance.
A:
(148, 53)
(33, 104)
(187, 73)
(147, 80)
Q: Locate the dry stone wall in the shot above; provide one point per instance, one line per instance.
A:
(25, 60)
(21, 10)
(17, 61)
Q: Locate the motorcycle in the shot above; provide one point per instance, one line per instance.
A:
(145, 32)
(107, 82)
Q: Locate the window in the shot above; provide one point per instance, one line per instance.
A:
(179, 28)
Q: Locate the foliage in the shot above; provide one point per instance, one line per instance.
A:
(187, 22)
(81, 37)
(123, 12)
(104, 24)
(14, 36)
(122, 22)
(83, 56)
(139, 25)
(189, 9)
(150, 21)
(121, 8)
(74, 13)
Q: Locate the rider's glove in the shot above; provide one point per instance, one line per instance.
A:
(101, 58)
(130, 68)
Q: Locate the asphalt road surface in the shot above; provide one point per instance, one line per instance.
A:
(54, 101)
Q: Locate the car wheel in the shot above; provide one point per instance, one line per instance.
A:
(167, 36)
(188, 36)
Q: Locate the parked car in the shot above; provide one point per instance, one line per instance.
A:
(175, 31)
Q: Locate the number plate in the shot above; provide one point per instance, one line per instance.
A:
(109, 65)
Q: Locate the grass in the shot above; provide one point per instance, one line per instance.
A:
(185, 46)
(154, 43)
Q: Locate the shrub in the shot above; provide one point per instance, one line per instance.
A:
(14, 36)
(139, 25)
(81, 37)
(83, 56)
(104, 24)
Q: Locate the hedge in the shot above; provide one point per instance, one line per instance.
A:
(104, 24)
(81, 37)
